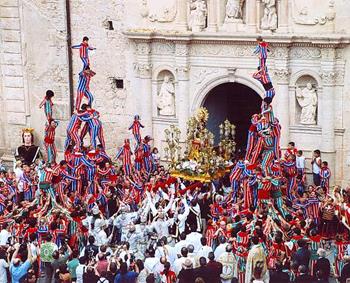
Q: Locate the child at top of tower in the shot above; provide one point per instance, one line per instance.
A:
(84, 51)
(261, 50)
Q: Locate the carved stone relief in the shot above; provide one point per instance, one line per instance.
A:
(304, 14)
(159, 11)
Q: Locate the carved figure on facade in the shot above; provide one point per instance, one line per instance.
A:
(159, 11)
(307, 99)
(302, 16)
(198, 15)
(166, 98)
(269, 19)
(234, 10)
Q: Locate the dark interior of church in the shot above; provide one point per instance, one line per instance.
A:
(235, 102)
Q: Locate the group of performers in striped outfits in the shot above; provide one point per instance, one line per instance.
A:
(251, 224)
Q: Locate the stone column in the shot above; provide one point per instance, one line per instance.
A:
(181, 21)
(327, 107)
(258, 14)
(281, 103)
(251, 10)
(212, 16)
(143, 96)
(282, 13)
(281, 100)
(182, 97)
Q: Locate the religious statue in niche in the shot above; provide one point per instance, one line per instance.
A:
(234, 10)
(307, 99)
(28, 152)
(269, 19)
(198, 15)
(166, 98)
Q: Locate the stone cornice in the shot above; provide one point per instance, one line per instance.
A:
(279, 40)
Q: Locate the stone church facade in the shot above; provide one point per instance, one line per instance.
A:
(160, 59)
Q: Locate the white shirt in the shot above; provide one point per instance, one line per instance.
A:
(179, 262)
(194, 238)
(151, 263)
(315, 167)
(3, 266)
(4, 236)
(204, 251)
(80, 272)
(300, 162)
(220, 250)
(179, 245)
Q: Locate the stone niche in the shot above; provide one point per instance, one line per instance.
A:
(306, 101)
(166, 95)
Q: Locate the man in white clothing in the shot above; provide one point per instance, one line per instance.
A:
(81, 269)
(194, 238)
(220, 248)
(4, 235)
(204, 250)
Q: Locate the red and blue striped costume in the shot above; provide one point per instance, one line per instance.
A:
(147, 162)
(94, 126)
(315, 244)
(252, 137)
(261, 50)
(235, 178)
(125, 152)
(47, 103)
(83, 89)
(339, 256)
(135, 127)
(263, 77)
(325, 175)
(49, 142)
(290, 171)
(138, 158)
(84, 53)
(312, 209)
(27, 187)
(73, 131)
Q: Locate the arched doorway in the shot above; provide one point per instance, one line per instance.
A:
(235, 102)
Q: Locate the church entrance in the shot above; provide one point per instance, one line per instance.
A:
(235, 102)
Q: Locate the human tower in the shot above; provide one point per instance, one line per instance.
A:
(88, 166)
(258, 174)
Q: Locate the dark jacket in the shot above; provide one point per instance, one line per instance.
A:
(302, 256)
(345, 273)
(214, 269)
(279, 276)
(323, 265)
(304, 278)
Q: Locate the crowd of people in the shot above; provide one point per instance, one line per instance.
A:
(124, 219)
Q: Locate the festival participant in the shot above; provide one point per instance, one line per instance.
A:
(316, 167)
(84, 87)
(49, 141)
(261, 50)
(147, 158)
(325, 175)
(47, 104)
(84, 51)
(125, 152)
(135, 127)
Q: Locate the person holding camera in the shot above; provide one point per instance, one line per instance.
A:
(60, 258)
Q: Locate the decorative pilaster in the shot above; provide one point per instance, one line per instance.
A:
(281, 77)
(181, 20)
(183, 103)
(212, 16)
(251, 11)
(282, 7)
(143, 68)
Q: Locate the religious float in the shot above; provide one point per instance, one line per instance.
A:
(201, 160)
